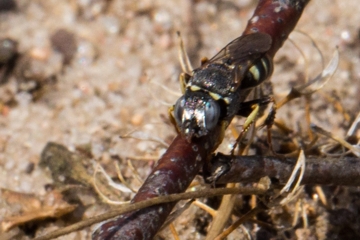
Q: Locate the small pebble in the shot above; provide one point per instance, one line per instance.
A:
(65, 42)
(7, 5)
(137, 119)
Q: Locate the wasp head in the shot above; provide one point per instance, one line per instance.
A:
(196, 113)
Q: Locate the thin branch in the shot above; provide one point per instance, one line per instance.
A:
(147, 203)
(326, 171)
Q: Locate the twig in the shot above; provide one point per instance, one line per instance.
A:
(326, 171)
(147, 203)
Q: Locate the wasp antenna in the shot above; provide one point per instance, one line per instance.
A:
(183, 56)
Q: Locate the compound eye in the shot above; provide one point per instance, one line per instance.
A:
(178, 110)
(212, 114)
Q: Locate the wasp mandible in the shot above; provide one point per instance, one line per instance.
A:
(215, 92)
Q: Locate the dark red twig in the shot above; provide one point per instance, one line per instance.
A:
(173, 174)
(182, 161)
(325, 171)
(277, 18)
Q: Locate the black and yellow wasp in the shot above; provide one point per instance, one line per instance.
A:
(216, 91)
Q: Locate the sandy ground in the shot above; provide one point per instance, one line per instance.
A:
(111, 81)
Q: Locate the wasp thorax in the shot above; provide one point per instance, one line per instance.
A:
(196, 113)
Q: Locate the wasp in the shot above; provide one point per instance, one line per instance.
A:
(216, 91)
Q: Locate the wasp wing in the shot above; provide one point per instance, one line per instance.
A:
(241, 53)
(243, 49)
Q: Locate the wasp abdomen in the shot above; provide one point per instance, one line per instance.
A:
(257, 73)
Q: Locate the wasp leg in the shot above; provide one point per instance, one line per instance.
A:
(247, 107)
(184, 58)
(250, 110)
(237, 79)
(203, 61)
(184, 79)
(220, 165)
(269, 122)
(249, 120)
(172, 119)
